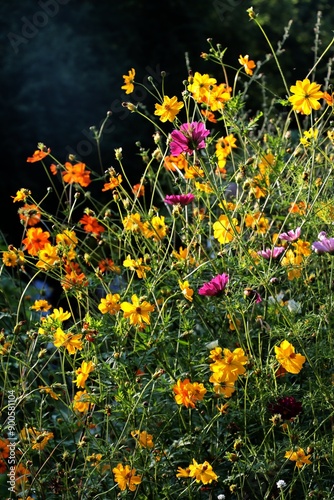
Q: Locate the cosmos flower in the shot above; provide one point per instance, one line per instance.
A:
(179, 199)
(189, 138)
(215, 286)
(288, 407)
(169, 108)
(299, 457)
(286, 356)
(306, 96)
(292, 235)
(126, 477)
(325, 245)
(273, 253)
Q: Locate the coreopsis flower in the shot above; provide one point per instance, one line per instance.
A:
(306, 96)
(21, 195)
(179, 199)
(189, 138)
(13, 257)
(200, 86)
(35, 240)
(39, 154)
(144, 439)
(136, 265)
(126, 477)
(76, 174)
(129, 81)
(91, 225)
(286, 356)
(41, 305)
(82, 401)
(325, 245)
(48, 257)
(299, 457)
(215, 286)
(288, 407)
(71, 342)
(202, 472)
(83, 373)
(248, 65)
(187, 393)
(30, 214)
(138, 312)
(186, 290)
(291, 235)
(271, 253)
(110, 304)
(169, 108)
(225, 229)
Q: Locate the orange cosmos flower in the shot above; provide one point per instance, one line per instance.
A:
(126, 477)
(41, 305)
(138, 190)
(299, 457)
(113, 182)
(188, 393)
(144, 439)
(76, 174)
(202, 472)
(39, 155)
(186, 290)
(30, 214)
(13, 257)
(71, 342)
(248, 65)
(174, 163)
(110, 304)
(21, 195)
(129, 81)
(91, 225)
(35, 240)
(82, 401)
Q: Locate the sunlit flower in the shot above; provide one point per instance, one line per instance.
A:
(225, 389)
(82, 401)
(328, 98)
(271, 253)
(113, 183)
(186, 290)
(126, 477)
(257, 222)
(174, 163)
(38, 155)
(71, 342)
(325, 245)
(21, 195)
(48, 257)
(133, 223)
(110, 304)
(309, 136)
(183, 255)
(68, 238)
(298, 208)
(217, 97)
(306, 96)
(215, 286)
(83, 373)
(138, 312)
(202, 472)
(129, 81)
(189, 138)
(37, 439)
(187, 393)
(229, 367)
(136, 265)
(248, 65)
(13, 257)
(91, 225)
(41, 305)
(286, 356)
(179, 199)
(168, 109)
(76, 174)
(293, 263)
(48, 390)
(299, 457)
(138, 190)
(144, 439)
(155, 228)
(35, 240)
(200, 85)
(225, 229)
(302, 247)
(291, 235)
(288, 407)
(30, 214)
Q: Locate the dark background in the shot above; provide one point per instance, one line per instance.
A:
(63, 61)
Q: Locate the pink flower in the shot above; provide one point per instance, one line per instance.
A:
(290, 235)
(190, 137)
(215, 286)
(325, 245)
(269, 253)
(179, 199)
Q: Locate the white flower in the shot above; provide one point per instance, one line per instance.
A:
(221, 497)
(281, 484)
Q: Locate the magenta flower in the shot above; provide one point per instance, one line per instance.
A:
(291, 235)
(179, 199)
(269, 253)
(215, 286)
(253, 295)
(190, 137)
(325, 245)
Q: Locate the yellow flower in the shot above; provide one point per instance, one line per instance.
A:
(83, 373)
(156, 228)
(126, 477)
(12, 257)
(110, 304)
(188, 393)
(293, 262)
(286, 356)
(41, 305)
(225, 389)
(143, 438)
(257, 222)
(186, 290)
(202, 472)
(228, 368)
(133, 223)
(128, 81)
(184, 254)
(72, 342)
(306, 96)
(225, 229)
(182, 472)
(299, 457)
(200, 86)
(81, 401)
(38, 439)
(309, 136)
(138, 312)
(168, 109)
(48, 257)
(204, 187)
(248, 65)
(136, 265)
(21, 195)
(60, 315)
(48, 390)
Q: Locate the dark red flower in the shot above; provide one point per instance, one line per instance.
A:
(287, 407)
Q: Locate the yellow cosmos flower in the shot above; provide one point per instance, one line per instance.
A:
(21, 195)
(202, 472)
(110, 304)
(81, 401)
(168, 109)
(136, 265)
(60, 315)
(247, 64)
(128, 81)
(48, 257)
(138, 312)
(286, 356)
(12, 257)
(144, 439)
(48, 390)
(299, 457)
(200, 86)
(186, 290)
(83, 372)
(306, 96)
(72, 342)
(126, 477)
(225, 229)
(228, 368)
(38, 439)
(41, 305)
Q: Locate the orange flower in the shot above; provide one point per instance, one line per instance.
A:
(71, 342)
(21, 195)
(76, 174)
(138, 190)
(113, 182)
(248, 65)
(174, 163)
(30, 214)
(39, 155)
(299, 457)
(83, 372)
(188, 393)
(328, 98)
(91, 225)
(4, 448)
(35, 240)
(82, 401)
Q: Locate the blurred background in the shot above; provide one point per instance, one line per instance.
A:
(63, 61)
